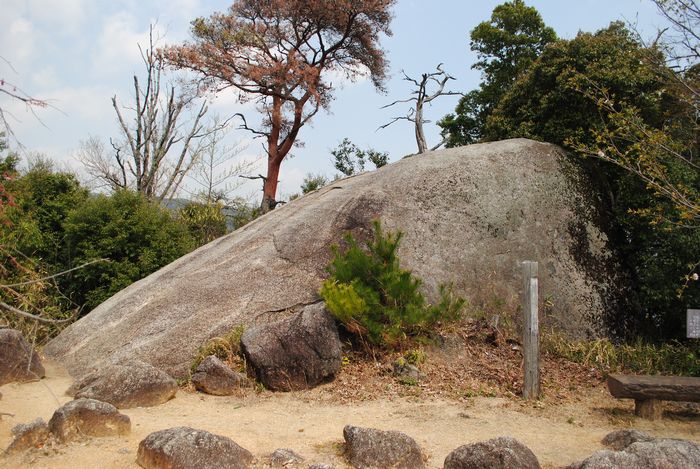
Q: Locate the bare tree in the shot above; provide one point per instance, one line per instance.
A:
(215, 177)
(15, 93)
(158, 146)
(421, 97)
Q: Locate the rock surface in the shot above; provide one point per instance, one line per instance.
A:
(503, 452)
(187, 448)
(28, 436)
(469, 215)
(87, 417)
(214, 377)
(126, 385)
(661, 453)
(294, 353)
(18, 360)
(372, 448)
(285, 457)
(621, 439)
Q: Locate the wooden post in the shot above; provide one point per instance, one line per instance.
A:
(531, 332)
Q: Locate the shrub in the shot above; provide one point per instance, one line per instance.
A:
(226, 348)
(377, 300)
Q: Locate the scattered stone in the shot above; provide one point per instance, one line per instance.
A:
(297, 352)
(188, 448)
(658, 453)
(321, 466)
(503, 452)
(126, 385)
(88, 417)
(372, 448)
(28, 436)
(284, 457)
(406, 372)
(214, 377)
(621, 439)
(19, 362)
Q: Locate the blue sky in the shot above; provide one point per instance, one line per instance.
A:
(79, 53)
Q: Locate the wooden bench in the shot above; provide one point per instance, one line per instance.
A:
(648, 392)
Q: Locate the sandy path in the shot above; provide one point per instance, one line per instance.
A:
(558, 434)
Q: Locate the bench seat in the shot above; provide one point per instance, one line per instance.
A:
(649, 391)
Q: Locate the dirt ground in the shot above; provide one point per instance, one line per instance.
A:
(558, 430)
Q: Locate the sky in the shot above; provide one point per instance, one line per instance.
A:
(78, 54)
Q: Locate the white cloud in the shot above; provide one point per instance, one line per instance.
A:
(18, 40)
(67, 15)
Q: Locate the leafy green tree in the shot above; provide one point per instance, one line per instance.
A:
(563, 99)
(204, 221)
(506, 47)
(349, 159)
(137, 236)
(313, 182)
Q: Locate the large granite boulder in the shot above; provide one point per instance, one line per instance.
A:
(503, 452)
(188, 448)
(294, 353)
(87, 417)
(18, 360)
(469, 215)
(658, 453)
(368, 448)
(125, 385)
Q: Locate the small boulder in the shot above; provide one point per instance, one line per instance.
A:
(321, 466)
(187, 448)
(658, 453)
(126, 385)
(28, 436)
(297, 352)
(621, 439)
(503, 452)
(214, 377)
(88, 417)
(19, 362)
(372, 448)
(284, 457)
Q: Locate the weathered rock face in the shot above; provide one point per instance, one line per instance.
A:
(87, 417)
(187, 448)
(294, 353)
(214, 377)
(503, 452)
(125, 385)
(18, 361)
(28, 436)
(621, 439)
(469, 215)
(371, 448)
(658, 453)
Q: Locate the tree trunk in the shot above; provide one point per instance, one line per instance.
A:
(270, 185)
(420, 136)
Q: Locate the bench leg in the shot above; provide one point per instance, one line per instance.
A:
(647, 408)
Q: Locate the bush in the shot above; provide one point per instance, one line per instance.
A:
(137, 236)
(377, 300)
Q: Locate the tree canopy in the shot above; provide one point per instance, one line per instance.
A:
(279, 54)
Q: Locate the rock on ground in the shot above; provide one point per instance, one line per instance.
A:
(87, 417)
(502, 452)
(469, 215)
(372, 448)
(298, 352)
(284, 457)
(214, 377)
(126, 385)
(661, 453)
(28, 436)
(621, 439)
(188, 448)
(18, 360)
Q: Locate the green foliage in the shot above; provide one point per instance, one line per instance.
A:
(313, 182)
(374, 298)
(506, 47)
(226, 348)
(674, 358)
(204, 221)
(137, 236)
(349, 159)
